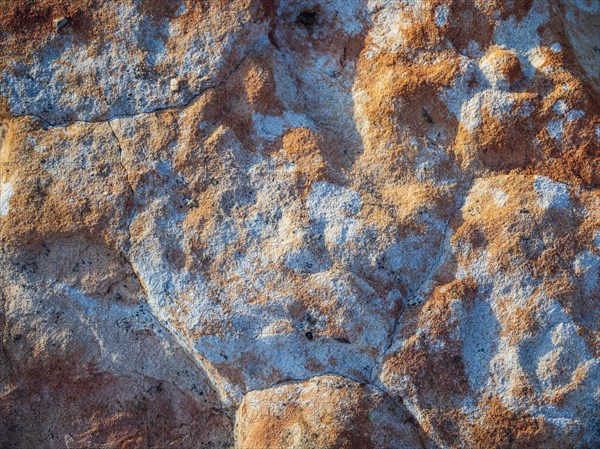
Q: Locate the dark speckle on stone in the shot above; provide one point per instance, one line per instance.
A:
(307, 18)
(427, 116)
(59, 23)
(309, 335)
(310, 319)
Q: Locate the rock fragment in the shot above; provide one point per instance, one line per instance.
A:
(327, 412)
(59, 23)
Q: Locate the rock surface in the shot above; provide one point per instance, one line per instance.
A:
(301, 415)
(299, 224)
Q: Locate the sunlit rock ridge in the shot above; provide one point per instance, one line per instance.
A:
(262, 224)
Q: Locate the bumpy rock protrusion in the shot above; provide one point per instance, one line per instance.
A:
(326, 412)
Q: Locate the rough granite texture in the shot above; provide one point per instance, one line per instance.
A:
(299, 224)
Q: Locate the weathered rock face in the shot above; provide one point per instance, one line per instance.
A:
(299, 224)
(301, 415)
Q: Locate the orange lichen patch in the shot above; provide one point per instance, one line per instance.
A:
(409, 200)
(230, 374)
(206, 168)
(507, 9)
(323, 413)
(318, 157)
(516, 323)
(4, 109)
(33, 184)
(260, 86)
(579, 165)
(378, 213)
(157, 144)
(304, 148)
(160, 9)
(250, 89)
(459, 289)
(435, 314)
(324, 314)
(34, 18)
(398, 86)
(571, 154)
(27, 26)
(468, 23)
(579, 159)
(559, 395)
(500, 428)
(339, 156)
(499, 142)
(420, 30)
(210, 14)
(195, 144)
(176, 257)
(564, 84)
(590, 224)
(322, 37)
(464, 22)
(438, 374)
(503, 63)
(551, 263)
(307, 299)
(522, 388)
(236, 114)
(474, 235)
(542, 240)
(564, 57)
(399, 77)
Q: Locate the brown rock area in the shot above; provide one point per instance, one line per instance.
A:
(299, 224)
(326, 412)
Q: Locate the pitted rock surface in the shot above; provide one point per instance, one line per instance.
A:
(300, 223)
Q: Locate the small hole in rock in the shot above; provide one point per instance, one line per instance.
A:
(309, 335)
(427, 116)
(307, 18)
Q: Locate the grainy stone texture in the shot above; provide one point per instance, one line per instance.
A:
(301, 415)
(299, 224)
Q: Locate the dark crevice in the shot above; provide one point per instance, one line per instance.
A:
(308, 18)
